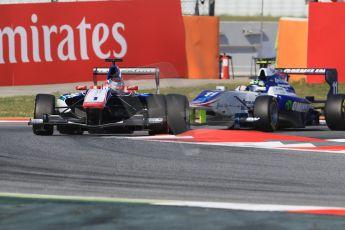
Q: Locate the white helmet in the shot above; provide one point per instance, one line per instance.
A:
(116, 84)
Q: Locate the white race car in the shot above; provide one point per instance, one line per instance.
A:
(112, 108)
(269, 103)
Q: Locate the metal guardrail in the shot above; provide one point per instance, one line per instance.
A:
(198, 7)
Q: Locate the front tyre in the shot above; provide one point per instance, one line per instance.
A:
(266, 109)
(334, 112)
(44, 104)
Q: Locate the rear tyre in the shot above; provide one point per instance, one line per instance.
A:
(266, 109)
(178, 114)
(334, 112)
(44, 104)
(156, 106)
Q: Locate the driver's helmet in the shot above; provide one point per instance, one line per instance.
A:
(116, 84)
(114, 72)
(114, 79)
(257, 86)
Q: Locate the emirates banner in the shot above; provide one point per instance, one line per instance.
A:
(61, 42)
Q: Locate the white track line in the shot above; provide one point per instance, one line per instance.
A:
(267, 145)
(197, 204)
(245, 206)
(336, 140)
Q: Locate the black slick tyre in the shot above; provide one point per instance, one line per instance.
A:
(157, 109)
(44, 104)
(178, 113)
(69, 130)
(266, 109)
(334, 112)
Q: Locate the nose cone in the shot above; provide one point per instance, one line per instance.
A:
(206, 97)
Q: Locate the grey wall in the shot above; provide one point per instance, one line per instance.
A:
(242, 40)
(278, 8)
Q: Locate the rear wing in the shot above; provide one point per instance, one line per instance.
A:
(331, 76)
(129, 71)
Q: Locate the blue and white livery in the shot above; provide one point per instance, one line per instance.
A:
(269, 102)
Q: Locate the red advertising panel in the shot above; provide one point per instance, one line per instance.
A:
(61, 42)
(326, 38)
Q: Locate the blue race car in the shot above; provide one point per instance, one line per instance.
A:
(269, 102)
(111, 107)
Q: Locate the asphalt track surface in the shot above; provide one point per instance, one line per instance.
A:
(96, 165)
(112, 166)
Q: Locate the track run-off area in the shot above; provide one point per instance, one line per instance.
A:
(205, 178)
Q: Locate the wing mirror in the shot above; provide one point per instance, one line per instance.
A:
(81, 87)
(133, 88)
